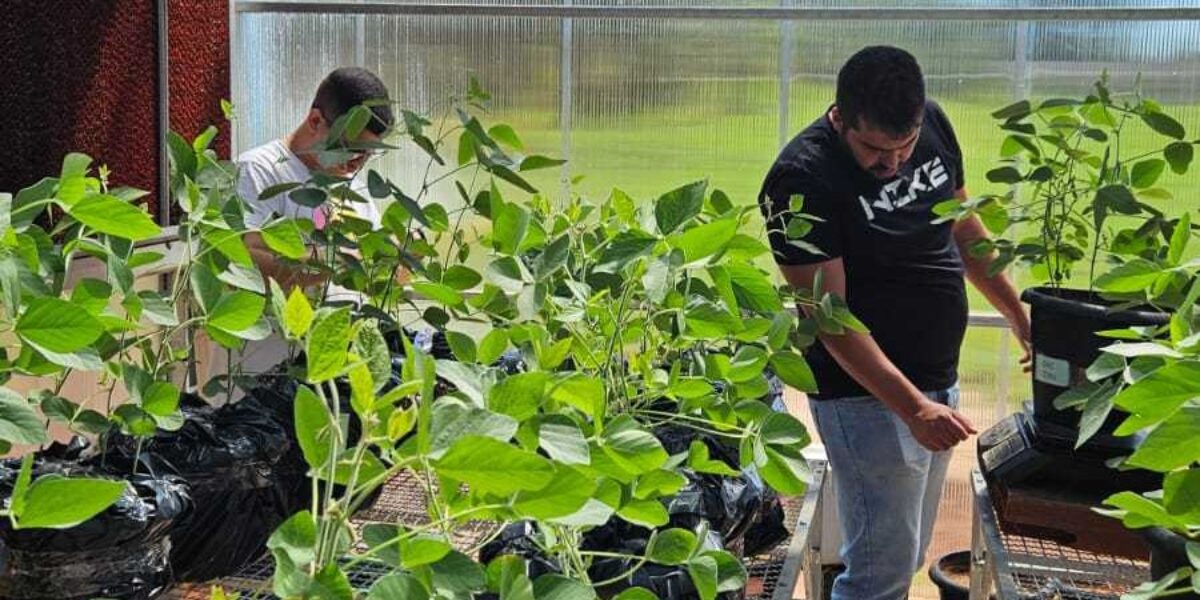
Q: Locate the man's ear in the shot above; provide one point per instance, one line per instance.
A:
(835, 118)
(313, 120)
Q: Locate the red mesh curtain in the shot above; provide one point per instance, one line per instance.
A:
(82, 76)
(199, 67)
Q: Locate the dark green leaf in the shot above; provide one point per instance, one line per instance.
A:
(1164, 124)
(679, 206)
(672, 547)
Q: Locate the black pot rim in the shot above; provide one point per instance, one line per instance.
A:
(961, 557)
(1082, 303)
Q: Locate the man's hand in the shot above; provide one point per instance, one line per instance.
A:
(937, 426)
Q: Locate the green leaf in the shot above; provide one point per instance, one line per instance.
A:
(461, 278)
(557, 587)
(326, 345)
(699, 461)
(443, 294)
(552, 258)
(462, 346)
(566, 492)
(1157, 395)
(1013, 111)
(236, 312)
(646, 513)
(754, 289)
(57, 325)
(505, 273)
(161, 399)
(679, 206)
(296, 538)
(315, 428)
(1095, 412)
(1181, 496)
(397, 586)
(632, 448)
(58, 502)
(1140, 511)
(657, 484)
(452, 422)
(562, 440)
(112, 216)
(505, 135)
(423, 550)
(636, 593)
(457, 574)
(705, 240)
(1145, 173)
(703, 571)
(1164, 124)
(1179, 156)
(308, 197)
(510, 223)
(297, 314)
(584, 392)
(1134, 276)
(284, 238)
(1004, 175)
(794, 371)
(492, 346)
(490, 466)
(1180, 237)
(672, 547)
(535, 162)
(519, 396)
(785, 470)
(1172, 445)
(19, 422)
(623, 249)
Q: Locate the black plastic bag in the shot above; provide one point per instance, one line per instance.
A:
(121, 553)
(229, 457)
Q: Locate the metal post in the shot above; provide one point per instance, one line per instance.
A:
(1021, 64)
(164, 111)
(565, 101)
(787, 44)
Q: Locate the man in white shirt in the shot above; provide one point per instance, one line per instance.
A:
(294, 158)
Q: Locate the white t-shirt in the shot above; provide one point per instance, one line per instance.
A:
(274, 163)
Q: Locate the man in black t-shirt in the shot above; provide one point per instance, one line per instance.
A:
(871, 169)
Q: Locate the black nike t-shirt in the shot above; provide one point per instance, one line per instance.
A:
(904, 275)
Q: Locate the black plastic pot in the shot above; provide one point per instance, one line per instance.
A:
(939, 572)
(1168, 552)
(1065, 323)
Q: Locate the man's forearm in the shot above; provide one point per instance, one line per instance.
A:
(997, 289)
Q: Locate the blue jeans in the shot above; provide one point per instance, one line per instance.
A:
(888, 487)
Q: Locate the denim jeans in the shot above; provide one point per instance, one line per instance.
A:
(888, 487)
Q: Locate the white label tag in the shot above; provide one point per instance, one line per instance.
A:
(1053, 371)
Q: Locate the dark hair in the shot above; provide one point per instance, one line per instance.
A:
(347, 87)
(882, 85)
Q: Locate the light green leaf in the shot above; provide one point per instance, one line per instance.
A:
(284, 237)
(315, 428)
(1134, 276)
(557, 587)
(583, 392)
(567, 492)
(704, 240)
(1172, 445)
(57, 325)
(490, 466)
(236, 311)
(672, 547)
(398, 586)
(113, 216)
(19, 422)
(518, 396)
(326, 345)
(794, 371)
(703, 571)
(58, 502)
(646, 513)
(563, 441)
